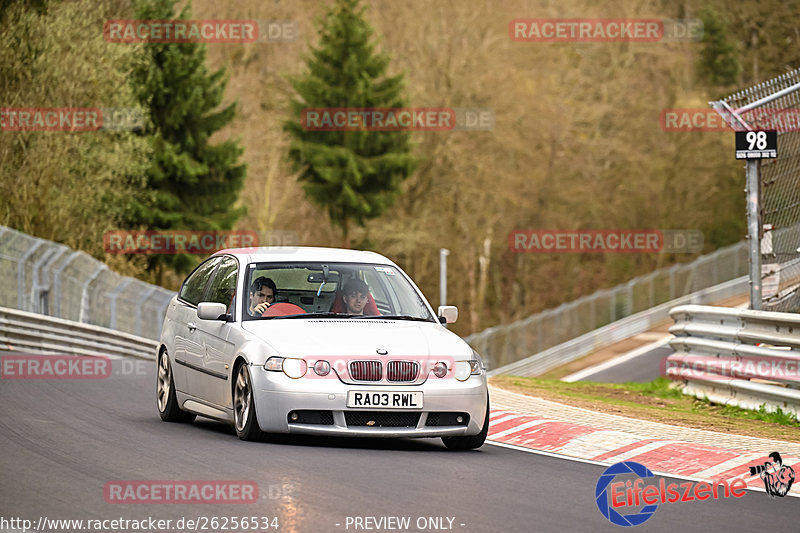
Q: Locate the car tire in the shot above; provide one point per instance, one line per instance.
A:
(471, 442)
(245, 421)
(165, 393)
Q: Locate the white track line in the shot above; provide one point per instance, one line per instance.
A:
(581, 374)
(520, 427)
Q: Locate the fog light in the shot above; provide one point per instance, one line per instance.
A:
(460, 419)
(440, 369)
(294, 417)
(322, 368)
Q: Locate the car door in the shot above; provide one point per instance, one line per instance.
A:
(189, 349)
(213, 381)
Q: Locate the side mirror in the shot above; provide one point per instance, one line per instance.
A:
(449, 313)
(212, 311)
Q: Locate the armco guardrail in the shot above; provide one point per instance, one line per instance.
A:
(31, 333)
(621, 329)
(41, 276)
(737, 357)
(553, 329)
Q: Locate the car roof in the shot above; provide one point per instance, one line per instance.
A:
(282, 254)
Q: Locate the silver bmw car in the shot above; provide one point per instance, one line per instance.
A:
(318, 341)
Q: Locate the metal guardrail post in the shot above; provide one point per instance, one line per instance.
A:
(21, 273)
(57, 282)
(613, 302)
(539, 333)
(629, 298)
(112, 297)
(139, 303)
(85, 292)
(443, 253)
(40, 288)
(753, 232)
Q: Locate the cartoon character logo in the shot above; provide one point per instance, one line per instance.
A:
(777, 477)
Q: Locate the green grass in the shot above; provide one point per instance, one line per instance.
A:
(776, 417)
(661, 389)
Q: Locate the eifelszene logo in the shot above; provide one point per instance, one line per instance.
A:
(630, 500)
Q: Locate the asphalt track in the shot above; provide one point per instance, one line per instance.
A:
(63, 440)
(646, 367)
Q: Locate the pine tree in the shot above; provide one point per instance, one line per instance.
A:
(355, 175)
(192, 184)
(718, 63)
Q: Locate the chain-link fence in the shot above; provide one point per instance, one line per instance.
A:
(49, 278)
(775, 195)
(508, 343)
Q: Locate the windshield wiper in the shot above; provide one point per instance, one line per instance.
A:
(395, 317)
(316, 315)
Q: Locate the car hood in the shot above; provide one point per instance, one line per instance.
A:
(357, 337)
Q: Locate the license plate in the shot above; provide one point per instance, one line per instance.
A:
(384, 400)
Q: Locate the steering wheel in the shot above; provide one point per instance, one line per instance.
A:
(283, 309)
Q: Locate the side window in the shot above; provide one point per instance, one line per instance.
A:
(195, 284)
(223, 286)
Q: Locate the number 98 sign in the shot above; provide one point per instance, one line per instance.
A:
(756, 144)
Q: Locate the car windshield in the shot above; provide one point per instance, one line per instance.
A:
(331, 290)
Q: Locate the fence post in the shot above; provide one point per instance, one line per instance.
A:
(21, 274)
(753, 233)
(443, 253)
(85, 292)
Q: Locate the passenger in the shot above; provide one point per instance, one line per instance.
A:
(355, 296)
(262, 295)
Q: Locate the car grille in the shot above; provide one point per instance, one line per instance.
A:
(324, 418)
(381, 419)
(366, 370)
(447, 419)
(402, 371)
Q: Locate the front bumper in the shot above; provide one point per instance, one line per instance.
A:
(277, 395)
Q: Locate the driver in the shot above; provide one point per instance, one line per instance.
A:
(262, 295)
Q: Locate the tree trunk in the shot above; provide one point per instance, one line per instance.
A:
(346, 233)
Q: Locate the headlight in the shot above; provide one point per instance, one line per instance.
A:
(464, 369)
(294, 368)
